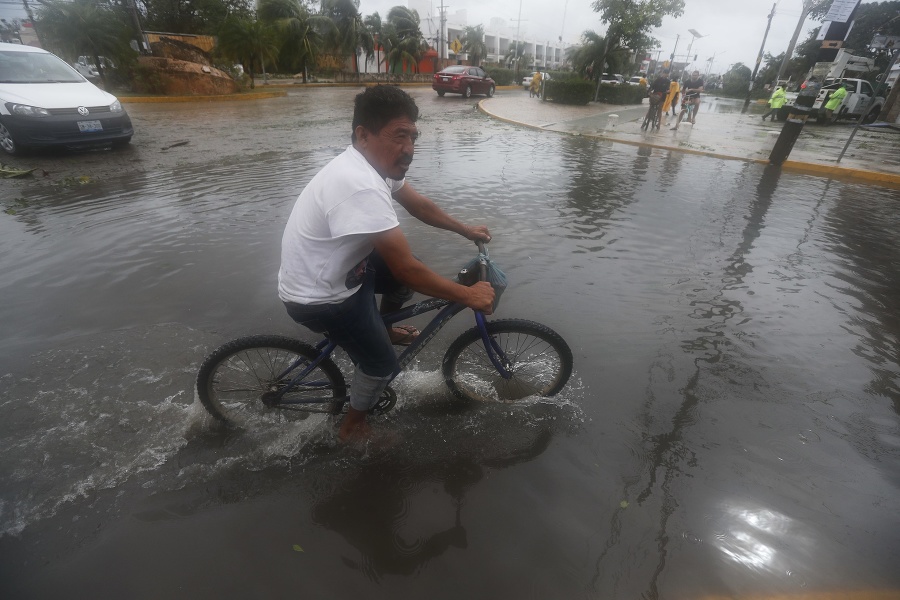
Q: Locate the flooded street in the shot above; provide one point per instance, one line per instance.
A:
(731, 429)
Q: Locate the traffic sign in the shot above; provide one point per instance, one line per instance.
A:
(456, 46)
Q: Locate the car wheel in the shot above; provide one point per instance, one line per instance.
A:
(872, 115)
(7, 143)
(467, 93)
(441, 93)
(490, 92)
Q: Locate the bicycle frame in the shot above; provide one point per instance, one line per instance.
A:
(448, 310)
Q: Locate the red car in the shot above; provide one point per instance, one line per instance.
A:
(460, 79)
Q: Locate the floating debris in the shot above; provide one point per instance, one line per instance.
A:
(10, 172)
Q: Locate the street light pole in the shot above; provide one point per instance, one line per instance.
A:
(758, 60)
(694, 36)
(711, 60)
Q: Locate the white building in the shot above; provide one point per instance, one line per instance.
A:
(498, 36)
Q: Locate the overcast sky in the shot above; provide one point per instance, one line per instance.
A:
(732, 29)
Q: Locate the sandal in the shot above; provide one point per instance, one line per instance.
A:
(403, 335)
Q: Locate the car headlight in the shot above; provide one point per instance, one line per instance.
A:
(24, 110)
(115, 107)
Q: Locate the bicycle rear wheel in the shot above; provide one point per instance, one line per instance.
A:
(539, 359)
(233, 379)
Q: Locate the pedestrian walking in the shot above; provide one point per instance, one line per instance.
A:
(776, 101)
(834, 101)
(672, 97)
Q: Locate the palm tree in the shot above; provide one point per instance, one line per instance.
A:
(374, 25)
(84, 27)
(588, 53)
(301, 34)
(250, 42)
(516, 56)
(405, 42)
(473, 43)
(350, 33)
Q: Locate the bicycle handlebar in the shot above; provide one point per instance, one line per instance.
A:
(482, 266)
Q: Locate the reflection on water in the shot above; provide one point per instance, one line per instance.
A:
(732, 427)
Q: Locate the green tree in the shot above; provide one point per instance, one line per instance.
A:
(376, 28)
(301, 34)
(84, 27)
(473, 43)
(589, 53)
(736, 80)
(192, 16)
(250, 42)
(350, 34)
(404, 42)
(515, 56)
(629, 23)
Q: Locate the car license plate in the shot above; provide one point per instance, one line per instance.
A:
(445, 78)
(89, 126)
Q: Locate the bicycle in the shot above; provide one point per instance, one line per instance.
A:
(506, 360)
(654, 113)
(688, 107)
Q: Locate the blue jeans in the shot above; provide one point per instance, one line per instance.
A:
(356, 326)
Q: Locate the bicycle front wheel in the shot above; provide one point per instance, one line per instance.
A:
(538, 358)
(234, 379)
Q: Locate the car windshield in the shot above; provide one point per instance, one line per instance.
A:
(456, 69)
(35, 67)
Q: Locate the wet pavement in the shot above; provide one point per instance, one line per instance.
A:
(722, 131)
(731, 430)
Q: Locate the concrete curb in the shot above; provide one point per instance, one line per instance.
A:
(222, 98)
(822, 170)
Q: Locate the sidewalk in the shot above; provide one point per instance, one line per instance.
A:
(721, 132)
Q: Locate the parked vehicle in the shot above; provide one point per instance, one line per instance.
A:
(636, 80)
(612, 79)
(860, 101)
(45, 102)
(462, 79)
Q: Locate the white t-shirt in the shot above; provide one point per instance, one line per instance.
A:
(328, 235)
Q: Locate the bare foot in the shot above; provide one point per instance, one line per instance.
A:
(354, 427)
(403, 335)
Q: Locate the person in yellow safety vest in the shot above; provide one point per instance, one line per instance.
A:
(835, 100)
(776, 101)
(535, 88)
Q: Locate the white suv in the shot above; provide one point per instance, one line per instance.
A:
(45, 102)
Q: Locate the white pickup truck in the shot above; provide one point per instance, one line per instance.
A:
(859, 101)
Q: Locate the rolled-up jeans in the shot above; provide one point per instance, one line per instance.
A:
(355, 325)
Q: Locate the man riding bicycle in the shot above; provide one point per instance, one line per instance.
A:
(659, 88)
(691, 97)
(343, 244)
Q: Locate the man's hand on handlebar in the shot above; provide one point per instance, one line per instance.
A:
(478, 233)
(481, 297)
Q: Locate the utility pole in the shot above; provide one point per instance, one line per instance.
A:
(31, 18)
(142, 40)
(758, 60)
(442, 22)
(807, 7)
(672, 58)
(516, 51)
